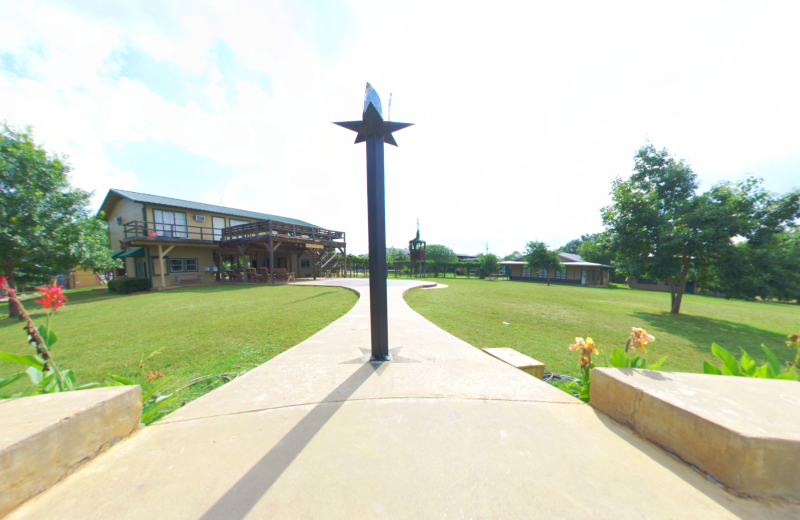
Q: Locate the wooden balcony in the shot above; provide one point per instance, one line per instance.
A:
(264, 230)
(141, 230)
(260, 231)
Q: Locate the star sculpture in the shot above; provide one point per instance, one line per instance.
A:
(372, 120)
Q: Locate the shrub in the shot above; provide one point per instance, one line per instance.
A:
(126, 285)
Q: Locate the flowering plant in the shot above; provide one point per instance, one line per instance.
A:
(43, 371)
(619, 358)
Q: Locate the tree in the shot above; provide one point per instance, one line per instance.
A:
(45, 224)
(539, 257)
(396, 255)
(516, 255)
(571, 246)
(439, 256)
(488, 264)
(660, 228)
(753, 270)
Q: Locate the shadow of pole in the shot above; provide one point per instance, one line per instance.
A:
(237, 502)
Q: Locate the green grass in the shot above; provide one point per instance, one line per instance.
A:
(203, 330)
(544, 321)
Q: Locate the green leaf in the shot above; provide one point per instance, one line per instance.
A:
(730, 367)
(49, 337)
(48, 384)
(35, 375)
(773, 361)
(638, 362)
(69, 379)
(149, 415)
(619, 358)
(31, 360)
(121, 380)
(657, 365)
(161, 382)
(791, 375)
(748, 364)
(7, 380)
(584, 395)
(87, 385)
(708, 368)
(764, 372)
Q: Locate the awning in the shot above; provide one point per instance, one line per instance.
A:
(136, 251)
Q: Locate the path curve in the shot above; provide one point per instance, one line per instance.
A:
(443, 431)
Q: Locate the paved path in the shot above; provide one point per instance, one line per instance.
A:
(444, 432)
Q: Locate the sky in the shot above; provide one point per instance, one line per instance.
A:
(524, 112)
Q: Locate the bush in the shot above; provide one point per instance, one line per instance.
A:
(127, 285)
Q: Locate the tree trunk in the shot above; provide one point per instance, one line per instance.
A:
(13, 310)
(676, 303)
(671, 293)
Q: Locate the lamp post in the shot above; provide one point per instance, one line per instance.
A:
(373, 130)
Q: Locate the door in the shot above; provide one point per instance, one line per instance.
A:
(217, 223)
(583, 277)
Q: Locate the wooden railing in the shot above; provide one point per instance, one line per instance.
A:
(139, 228)
(279, 229)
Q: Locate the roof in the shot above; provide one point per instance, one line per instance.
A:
(576, 264)
(115, 195)
(570, 257)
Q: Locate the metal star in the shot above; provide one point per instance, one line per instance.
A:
(372, 120)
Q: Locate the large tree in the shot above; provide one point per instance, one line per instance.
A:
(45, 224)
(539, 257)
(659, 227)
(439, 255)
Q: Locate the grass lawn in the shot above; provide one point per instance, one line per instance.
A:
(544, 321)
(203, 330)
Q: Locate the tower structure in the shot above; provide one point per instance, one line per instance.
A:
(416, 253)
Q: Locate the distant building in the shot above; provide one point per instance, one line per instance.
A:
(576, 272)
(467, 258)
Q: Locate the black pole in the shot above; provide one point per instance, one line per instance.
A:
(376, 211)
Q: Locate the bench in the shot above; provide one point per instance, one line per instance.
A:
(179, 280)
(282, 273)
(518, 360)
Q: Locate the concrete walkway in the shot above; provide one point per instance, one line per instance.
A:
(444, 431)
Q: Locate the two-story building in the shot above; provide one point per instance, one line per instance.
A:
(174, 242)
(575, 271)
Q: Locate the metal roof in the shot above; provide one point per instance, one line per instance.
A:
(571, 257)
(577, 264)
(196, 206)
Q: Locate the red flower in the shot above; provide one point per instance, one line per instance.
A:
(52, 297)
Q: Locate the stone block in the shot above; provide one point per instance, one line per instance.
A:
(518, 360)
(44, 437)
(744, 432)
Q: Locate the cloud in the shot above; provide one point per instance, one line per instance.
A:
(524, 113)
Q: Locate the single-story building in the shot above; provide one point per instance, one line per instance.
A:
(178, 242)
(576, 272)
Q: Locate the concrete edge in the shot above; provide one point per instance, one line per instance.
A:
(746, 466)
(46, 456)
(426, 285)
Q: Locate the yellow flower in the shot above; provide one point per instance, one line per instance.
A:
(587, 348)
(579, 344)
(640, 338)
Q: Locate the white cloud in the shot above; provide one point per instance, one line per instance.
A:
(524, 112)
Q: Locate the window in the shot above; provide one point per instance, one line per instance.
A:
(237, 222)
(561, 275)
(542, 273)
(526, 272)
(170, 223)
(183, 265)
(280, 263)
(305, 263)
